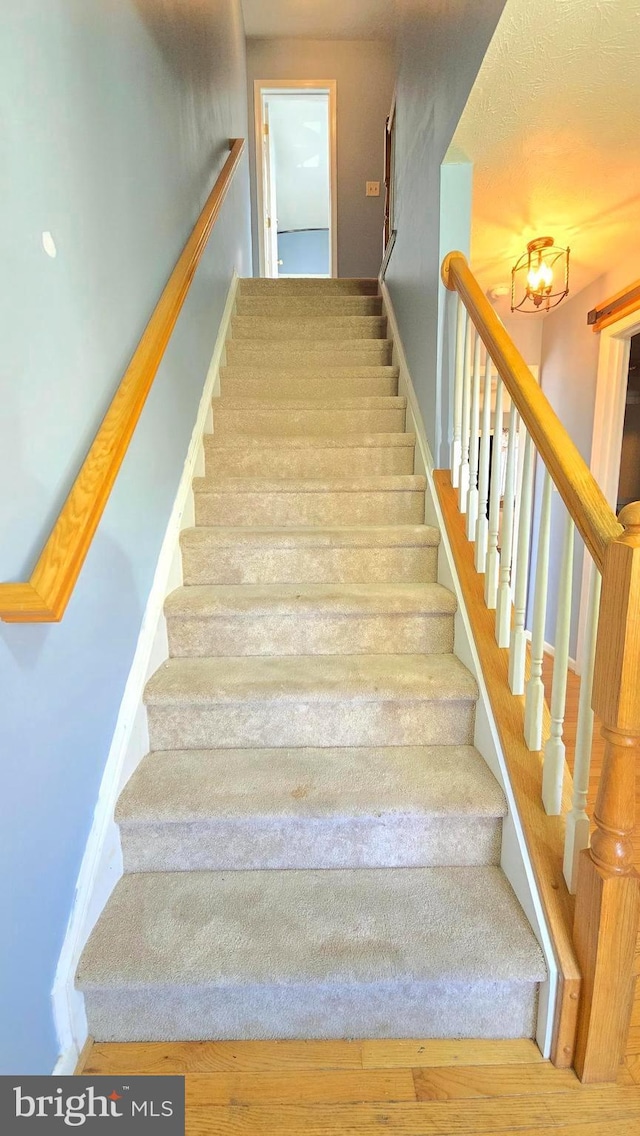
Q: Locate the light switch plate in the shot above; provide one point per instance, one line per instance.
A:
(373, 189)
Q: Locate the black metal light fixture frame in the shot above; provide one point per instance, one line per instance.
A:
(541, 255)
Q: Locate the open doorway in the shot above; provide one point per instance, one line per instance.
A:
(629, 482)
(296, 177)
(614, 463)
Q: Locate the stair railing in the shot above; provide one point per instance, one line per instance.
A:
(44, 597)
(495, 472)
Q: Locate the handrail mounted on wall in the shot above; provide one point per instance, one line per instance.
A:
(44, 597)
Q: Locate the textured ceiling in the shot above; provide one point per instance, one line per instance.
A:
(320, 19)
(553, 128)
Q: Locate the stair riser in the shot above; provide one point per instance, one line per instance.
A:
(301, 355)
(296, 842)
(273, 420)
(289, 509)
(474, 1009)
(251, 565)
(297, 463)
(270, 328)
(256, 724)
(298, 386)
(308, 287)
(318, 305)
(263, 634)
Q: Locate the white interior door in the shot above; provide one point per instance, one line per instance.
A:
(269, 196)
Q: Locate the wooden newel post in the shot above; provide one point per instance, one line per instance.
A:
(608, 889)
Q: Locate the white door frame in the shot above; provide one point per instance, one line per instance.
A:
(608, 427)
(286, 86)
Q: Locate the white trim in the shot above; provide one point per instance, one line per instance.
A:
(515, 860)
(273, 87)
(608, 426)
(101, 866)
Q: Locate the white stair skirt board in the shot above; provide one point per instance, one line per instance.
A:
(102, 864)
(312, 843)
(514, 860)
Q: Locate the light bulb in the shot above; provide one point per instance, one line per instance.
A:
(540, 277)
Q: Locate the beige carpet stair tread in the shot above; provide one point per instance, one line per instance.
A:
(372, 499)
(267, 374)
(314, 353)
(307, 383)
(321, 327)
(392, 483)
(266, 554)
(304, 286)
(308, 441)
(442, 924)
(310, 619)
(410, 952)
(310, 808)
(347, 536)
(320, 678)
(374, 402)
(191, 785)
(312, 599)
(312, 305)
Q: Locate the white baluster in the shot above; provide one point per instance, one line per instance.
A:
(456, 445)
(554, 750)
(463, 491)
(474, 445)
(482, 526)
(492, 565)
(503, 603)
(534, 705)
(577, 830)
(518, 640)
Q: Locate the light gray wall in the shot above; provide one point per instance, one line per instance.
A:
(116, 118)
(440, 48)
(364, 72)
(568, 373)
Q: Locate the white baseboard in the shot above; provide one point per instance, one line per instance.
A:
(101, 866)
(549, 649)
(515, 860)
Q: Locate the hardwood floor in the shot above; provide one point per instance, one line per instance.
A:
(412, 1088)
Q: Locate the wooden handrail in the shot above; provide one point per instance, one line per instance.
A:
(592, 514)
(43, 599)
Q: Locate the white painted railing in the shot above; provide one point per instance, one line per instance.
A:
(510, 466)
(497, 471)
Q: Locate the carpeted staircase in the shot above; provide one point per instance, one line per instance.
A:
(311, 847)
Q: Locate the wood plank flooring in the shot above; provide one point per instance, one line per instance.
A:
(413, 1088)
(409, 1088)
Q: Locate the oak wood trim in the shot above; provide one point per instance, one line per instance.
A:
(544, 834)
(83, 1056)
(608, 892)
(589, 508)
(622, 304)
(44, 598)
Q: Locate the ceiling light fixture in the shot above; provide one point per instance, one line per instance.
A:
(534, 274)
